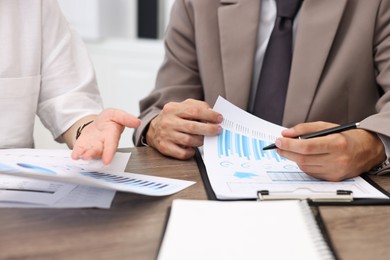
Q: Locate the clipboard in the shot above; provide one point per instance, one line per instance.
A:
(339, 198)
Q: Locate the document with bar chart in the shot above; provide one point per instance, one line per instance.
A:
(238, 168)
(57, 165)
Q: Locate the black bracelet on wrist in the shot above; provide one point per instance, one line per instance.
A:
(80, 129)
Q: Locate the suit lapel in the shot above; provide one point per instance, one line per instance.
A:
(317, 27)
(238, 24)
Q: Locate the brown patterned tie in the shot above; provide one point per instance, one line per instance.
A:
(272, 86)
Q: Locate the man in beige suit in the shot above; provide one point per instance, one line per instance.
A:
(340, 73)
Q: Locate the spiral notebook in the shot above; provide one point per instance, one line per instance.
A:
(242, 230)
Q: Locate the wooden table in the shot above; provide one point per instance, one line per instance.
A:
(134, 226)
(360, 232)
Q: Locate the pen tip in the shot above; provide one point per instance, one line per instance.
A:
(269, 147)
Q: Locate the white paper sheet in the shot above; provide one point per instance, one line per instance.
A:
(238, 167)
(80, 197)
(19, 189)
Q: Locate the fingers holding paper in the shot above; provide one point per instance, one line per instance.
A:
(100, 138)
(181, 126)
(333, 157)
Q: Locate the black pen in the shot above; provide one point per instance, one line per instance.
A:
(333, 130)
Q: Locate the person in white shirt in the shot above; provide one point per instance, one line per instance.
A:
(45, 71)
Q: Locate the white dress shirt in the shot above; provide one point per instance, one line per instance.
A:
(266, 25)
(44, 70)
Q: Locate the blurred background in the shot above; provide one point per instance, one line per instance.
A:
(124, 41)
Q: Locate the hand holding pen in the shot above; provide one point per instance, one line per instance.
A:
(331, 156)
(328, 131)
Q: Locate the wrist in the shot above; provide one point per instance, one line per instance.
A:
(143, 138)
(143, 141)
(149, 136)
(381, 168)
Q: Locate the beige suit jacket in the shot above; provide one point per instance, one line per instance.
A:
(340, 68)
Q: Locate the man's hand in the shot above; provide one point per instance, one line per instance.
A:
(100, 138)
(182, 126)
(333, 157)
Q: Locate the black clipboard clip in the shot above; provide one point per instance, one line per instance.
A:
(338, 196)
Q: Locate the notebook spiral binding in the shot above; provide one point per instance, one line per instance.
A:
(319, 242)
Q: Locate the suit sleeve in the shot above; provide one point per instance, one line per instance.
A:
(178, 78)
(380, 122)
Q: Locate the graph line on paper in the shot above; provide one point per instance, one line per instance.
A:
(153, 185)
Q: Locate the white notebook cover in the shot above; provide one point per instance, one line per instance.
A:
(242, 230)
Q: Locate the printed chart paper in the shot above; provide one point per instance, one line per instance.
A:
(57, 165)
(22, 192)
(237, 166)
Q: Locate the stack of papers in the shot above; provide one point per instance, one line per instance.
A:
(50, 178)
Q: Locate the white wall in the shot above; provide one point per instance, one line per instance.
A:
(98, 19)
(126, 72)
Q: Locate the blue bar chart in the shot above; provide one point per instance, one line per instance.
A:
(126, 181)
(243, 146)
